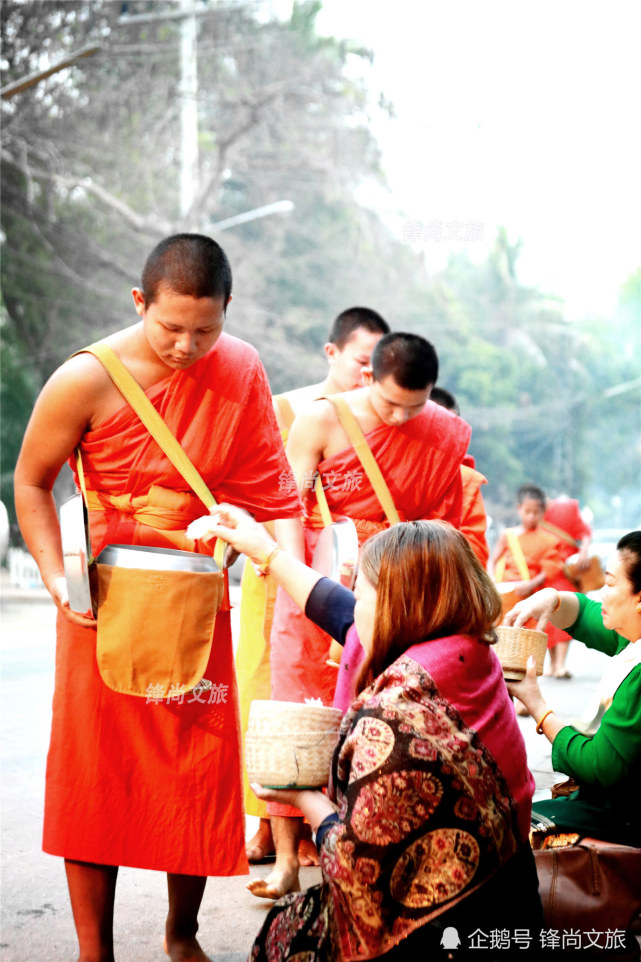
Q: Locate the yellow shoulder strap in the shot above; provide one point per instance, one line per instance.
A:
(559, 533)
(136, 397)
(365, 456)
(517, 553)
(286, 410)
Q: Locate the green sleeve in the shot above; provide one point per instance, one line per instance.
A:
(606, 757)
(589, 628)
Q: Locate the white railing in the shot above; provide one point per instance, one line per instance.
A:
(23, 571)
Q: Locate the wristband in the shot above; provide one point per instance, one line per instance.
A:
(264, 567)
(539, 724)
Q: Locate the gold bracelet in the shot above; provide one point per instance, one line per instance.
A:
(539, 724)
(264, 567)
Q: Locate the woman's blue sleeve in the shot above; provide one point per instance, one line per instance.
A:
(331, 607)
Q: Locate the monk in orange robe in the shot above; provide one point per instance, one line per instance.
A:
(418, 447)
(148, 783)
(527, 557)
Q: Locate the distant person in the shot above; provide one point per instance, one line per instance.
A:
(473, 515)
(526, 557)
(606, 765)
(418, 448)
(563, 519)
(129, 782)
(425, 822)
(350, 342)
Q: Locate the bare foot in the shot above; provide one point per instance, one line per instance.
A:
(278, 883)
(261, 846)
(307, 852)
(185, 950)
(520, 708)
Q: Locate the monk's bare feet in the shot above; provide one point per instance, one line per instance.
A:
(261, 846)
(307, 851)
(184, 950)
(278, 883)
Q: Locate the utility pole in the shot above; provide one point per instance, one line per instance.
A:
(188, 109)
(187, 13)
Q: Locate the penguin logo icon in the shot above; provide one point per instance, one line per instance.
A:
(450, 938)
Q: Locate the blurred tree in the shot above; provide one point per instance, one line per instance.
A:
(91, 173)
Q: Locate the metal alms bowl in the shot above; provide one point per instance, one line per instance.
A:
(75, 553)
(336, 552)
(155, 559)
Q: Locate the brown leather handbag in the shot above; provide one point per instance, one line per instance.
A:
(589, 885)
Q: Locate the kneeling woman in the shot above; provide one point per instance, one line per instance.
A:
(425, 825)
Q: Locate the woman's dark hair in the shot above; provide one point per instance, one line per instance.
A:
(630, 547)
(429, 584)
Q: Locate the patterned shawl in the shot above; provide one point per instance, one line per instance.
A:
(425, 814)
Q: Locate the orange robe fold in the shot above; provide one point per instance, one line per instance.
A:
(157, 784)
(473, 516)
(564, 513)
(541, 554)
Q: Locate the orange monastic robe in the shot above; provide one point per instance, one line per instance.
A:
(473, 516)
(158, 785)
(420, 461)
(564, 513)
(541, 554)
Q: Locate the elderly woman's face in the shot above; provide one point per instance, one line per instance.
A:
(364, 610)
(619, 610)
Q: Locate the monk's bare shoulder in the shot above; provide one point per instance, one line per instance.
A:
(81, 391)
(77, 384)
(316, 416)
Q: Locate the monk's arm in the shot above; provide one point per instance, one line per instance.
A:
(307, 442)
(59, 419)
(305, 447)
(497, 552)
(278, 416)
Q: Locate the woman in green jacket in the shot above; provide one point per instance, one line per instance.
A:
(607, 764)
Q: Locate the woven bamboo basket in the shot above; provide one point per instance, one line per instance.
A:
(514, 647)
(290, 745)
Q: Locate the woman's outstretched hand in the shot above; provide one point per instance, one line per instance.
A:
(237, 528)
(540, 606)
(313, 803)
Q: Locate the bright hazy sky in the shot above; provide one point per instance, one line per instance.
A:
(516, 113)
